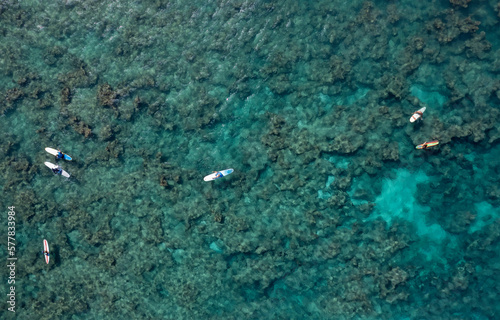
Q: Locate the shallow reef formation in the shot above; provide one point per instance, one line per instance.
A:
(331, 212)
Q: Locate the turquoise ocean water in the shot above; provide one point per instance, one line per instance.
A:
(331, 212)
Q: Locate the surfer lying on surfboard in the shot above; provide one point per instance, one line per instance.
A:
(417, 115)
(420, 113)
(57, 170)
(45, 251)
(60, 155)
(426, 144)
(218, 174)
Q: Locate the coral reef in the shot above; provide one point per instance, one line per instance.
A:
(331, 212)
(80, 127)
(462, 3)
(106, 96)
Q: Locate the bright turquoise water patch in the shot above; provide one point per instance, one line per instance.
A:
(397, 201)
(486, 215)
(217, 246)
(356, 187)
(322, 194)
(339, 161)
(330, 180)
(347, 100)
(470, 156)
(431, 98)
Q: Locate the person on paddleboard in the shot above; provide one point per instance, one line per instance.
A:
(46, 253)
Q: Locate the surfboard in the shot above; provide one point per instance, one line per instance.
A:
(46, 248)
(52, 166)
(213, 176)
(416, 116)
(56, 152)
(429, 144)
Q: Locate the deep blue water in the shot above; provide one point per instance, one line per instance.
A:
(331, 212)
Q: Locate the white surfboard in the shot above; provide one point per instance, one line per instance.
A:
(52, 151)
(214, 176)
(52, 166)
(416, 116)
(46, 248)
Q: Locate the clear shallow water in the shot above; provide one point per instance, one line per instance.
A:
(331, 213)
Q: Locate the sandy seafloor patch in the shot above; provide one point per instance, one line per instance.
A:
(331, 212)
